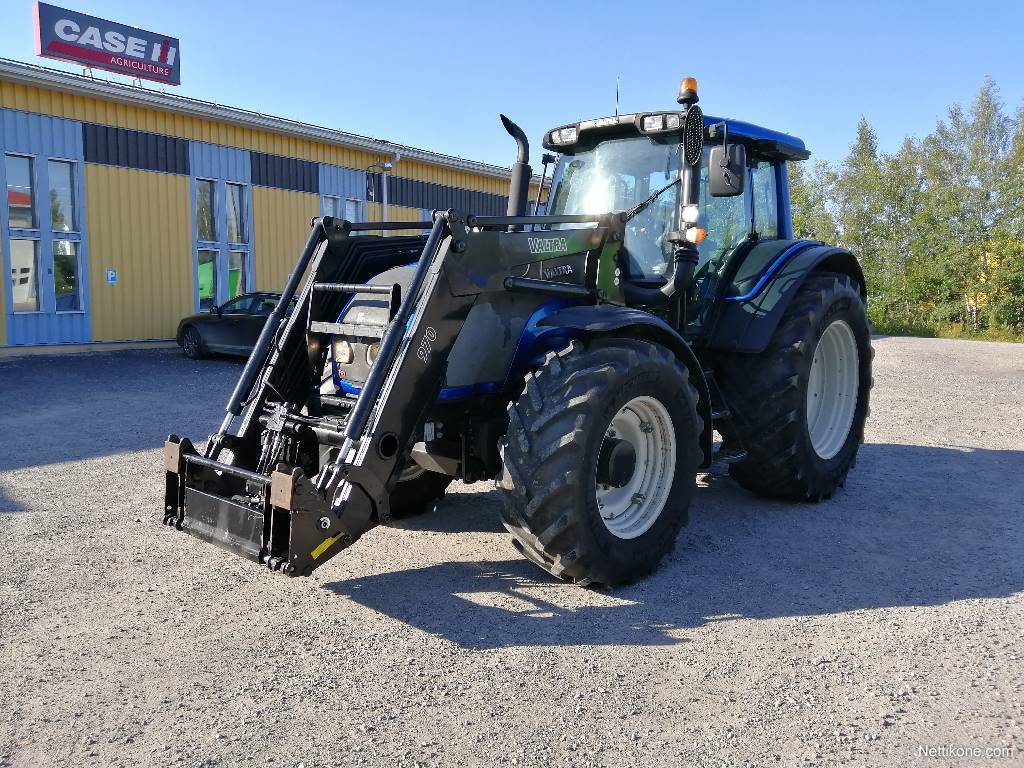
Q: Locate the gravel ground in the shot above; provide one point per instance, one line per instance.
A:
(860, 630)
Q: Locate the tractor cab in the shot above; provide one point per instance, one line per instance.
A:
(636, 161)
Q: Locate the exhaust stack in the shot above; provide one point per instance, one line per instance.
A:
(519, 186)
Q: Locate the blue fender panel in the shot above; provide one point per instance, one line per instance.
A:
(636, 324)
(764, 285)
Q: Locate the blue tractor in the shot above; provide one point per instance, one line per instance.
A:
(583, 358)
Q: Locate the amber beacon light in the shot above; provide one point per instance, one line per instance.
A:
(688, 91)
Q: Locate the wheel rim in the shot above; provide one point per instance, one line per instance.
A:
(631, 510)
(832, 389)
(191, 342)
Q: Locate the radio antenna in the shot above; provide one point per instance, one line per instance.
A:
(616, 95)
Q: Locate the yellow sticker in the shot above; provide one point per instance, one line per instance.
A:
(324, 545)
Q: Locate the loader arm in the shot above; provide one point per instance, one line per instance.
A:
(265, 491)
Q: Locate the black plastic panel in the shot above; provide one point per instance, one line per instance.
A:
(284, 172)
(134, 149)
(412, 193)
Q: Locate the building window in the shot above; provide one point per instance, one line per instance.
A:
(25, 275)
(206, 229)
(62, 196)
(236, 213)
(20, 192)
(66, 286)
(342, 207)
(207, 275)
(238, 269)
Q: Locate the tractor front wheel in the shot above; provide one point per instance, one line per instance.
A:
(417, 491)
(600, 460)
(798, 407)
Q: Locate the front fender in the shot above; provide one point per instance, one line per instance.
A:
(756, 298)
(608, 320)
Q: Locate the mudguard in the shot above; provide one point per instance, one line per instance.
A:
(635, 324)
(754, 300)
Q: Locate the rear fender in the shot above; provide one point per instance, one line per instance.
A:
(605, 320)
(757, 296)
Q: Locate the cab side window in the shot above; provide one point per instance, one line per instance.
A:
(766, 201)
(726, 219)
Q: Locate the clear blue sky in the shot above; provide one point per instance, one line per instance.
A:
(436, 75)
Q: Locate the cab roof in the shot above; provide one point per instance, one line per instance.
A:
(763, 140)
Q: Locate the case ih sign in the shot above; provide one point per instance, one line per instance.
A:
(92, 42)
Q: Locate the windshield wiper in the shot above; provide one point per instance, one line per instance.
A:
(643, 204)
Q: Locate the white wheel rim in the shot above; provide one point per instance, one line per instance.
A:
(832, 389)
(630, 511)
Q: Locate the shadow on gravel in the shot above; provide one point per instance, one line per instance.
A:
(8, 504)
(915, 526)
(72, 407)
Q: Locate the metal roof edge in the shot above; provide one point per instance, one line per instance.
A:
(67, 82)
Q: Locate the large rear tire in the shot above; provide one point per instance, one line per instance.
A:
(600, 460)
(799, 406)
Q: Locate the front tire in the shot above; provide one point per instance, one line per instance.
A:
(799, 406)
(417, 491)
(600, 460)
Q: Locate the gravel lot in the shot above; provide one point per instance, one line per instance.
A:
(858, 630)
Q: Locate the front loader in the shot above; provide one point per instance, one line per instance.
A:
(584, 359)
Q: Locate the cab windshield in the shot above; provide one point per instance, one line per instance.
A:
(614, 176)
(617, 174)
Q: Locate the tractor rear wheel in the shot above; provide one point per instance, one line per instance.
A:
(600, 460)
(799, 406)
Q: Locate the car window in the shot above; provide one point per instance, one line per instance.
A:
(264, 305)
(238, 306)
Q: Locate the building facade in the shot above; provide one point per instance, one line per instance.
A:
(128, 208)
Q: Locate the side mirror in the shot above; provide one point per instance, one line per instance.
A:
(727, 170)
(214, 310)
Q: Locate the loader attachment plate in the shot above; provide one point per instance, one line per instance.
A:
(232, 526)
(279, 520)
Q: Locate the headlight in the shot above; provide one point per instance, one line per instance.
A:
(341, 350)
(371, 353)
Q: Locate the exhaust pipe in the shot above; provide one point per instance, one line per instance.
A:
(519, 186)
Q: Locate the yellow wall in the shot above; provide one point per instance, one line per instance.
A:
(281, 220)
(29, 98)
(138, 222)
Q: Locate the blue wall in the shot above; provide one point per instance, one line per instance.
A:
(44, 138)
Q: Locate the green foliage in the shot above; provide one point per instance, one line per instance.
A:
(938, 225)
